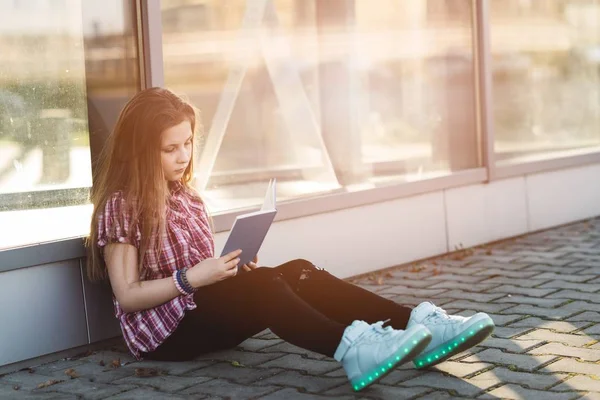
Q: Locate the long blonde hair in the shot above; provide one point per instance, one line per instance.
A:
(130, 162)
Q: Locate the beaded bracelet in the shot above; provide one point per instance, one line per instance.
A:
(177, 285)
(186, 284)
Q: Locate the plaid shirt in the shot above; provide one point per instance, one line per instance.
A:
(188, 240)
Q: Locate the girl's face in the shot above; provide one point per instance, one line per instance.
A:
(176, 150)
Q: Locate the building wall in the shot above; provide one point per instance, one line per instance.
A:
(59, 309)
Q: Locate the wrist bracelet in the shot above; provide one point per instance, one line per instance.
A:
(177, 284)
(186, 284)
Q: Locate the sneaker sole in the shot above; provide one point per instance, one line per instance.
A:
(474, 334)
(417, 339)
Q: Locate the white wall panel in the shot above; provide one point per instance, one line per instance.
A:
(484, 213)
(564, 196)
(41, 311)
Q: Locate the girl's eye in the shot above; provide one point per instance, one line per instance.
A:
(169, 150)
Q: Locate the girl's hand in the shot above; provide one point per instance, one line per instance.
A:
(251, 265)
(213, 270)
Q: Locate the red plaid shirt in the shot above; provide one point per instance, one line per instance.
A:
(188, 240)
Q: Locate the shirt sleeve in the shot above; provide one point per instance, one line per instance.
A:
(115, 223)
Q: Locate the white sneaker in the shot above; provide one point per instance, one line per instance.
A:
(452, 334)
(369, 352)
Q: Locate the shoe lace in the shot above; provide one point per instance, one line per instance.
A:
(437, 315)
(377, 329)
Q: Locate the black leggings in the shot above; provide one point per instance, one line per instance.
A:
(300, 303)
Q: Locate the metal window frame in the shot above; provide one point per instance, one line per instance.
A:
(152, 74)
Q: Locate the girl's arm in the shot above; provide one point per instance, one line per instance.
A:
(135, 295)
(131, 293)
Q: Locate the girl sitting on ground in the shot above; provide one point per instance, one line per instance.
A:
(151, 235)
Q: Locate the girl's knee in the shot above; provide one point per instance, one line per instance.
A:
(297, 267)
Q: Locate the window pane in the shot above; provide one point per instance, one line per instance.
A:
(546, 77)
(323, 95)
(416, 85)
(48, 49)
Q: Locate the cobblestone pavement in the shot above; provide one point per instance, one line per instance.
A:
(542, 290)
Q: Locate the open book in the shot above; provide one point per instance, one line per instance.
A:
(249, 230)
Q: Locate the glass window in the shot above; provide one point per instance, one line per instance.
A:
(322, 95)
(65, 67)
(546, 78)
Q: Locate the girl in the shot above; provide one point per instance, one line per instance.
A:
(151, 235)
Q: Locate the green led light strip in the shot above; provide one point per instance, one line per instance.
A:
(441, 352)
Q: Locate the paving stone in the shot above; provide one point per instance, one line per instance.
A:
(500, 265)
(440, 395)
(548, 303)
(525, 362)
(579, 382)
(8, 392)
(378, 391)
(414, 292)
(573, 366)
(255, 344)
(528, 283)
(565, 338)
(148, 393)
(412, 283)
(547, 313)
(499, 319)
(172, 368)
(519, 392)
(295, 362)
(543, 255)
(583, 287)
(520, 345)
(108, 356)
(526, 379)
(477, 297)
(556, 268)
(285, 347)
(508, 332)
(59, 366)
(593, 330)
(460, 369)
(246, 358)
(462, 386)
(519, 274)
(512, 289)
(224, 388)
(241, 375)
(459, 278)
(92, 372)
(91, 390)
(477, 287)
(470, 305)
(558, 326)
(566, 277)
(313, 384)
(294, 394)
(400, 375)
(576, 295)
(26, 380)
(560, 349)
(587, 316)
(590, 396)
(578, 306)
(163, 383)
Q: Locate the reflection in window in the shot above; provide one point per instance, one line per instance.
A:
(546, 77)
(45, 163)
(323, 95)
